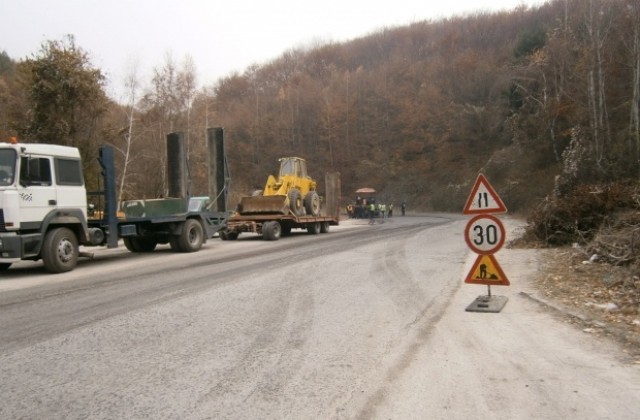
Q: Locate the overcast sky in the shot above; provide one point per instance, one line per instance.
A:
(221, 37)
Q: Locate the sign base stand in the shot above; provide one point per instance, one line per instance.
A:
(488, 303)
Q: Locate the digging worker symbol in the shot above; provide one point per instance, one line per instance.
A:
(483, 274)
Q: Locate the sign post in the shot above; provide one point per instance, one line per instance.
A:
(485, 235)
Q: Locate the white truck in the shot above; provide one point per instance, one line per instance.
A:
(44, 212)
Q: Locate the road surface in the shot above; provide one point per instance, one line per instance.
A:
(366, 322)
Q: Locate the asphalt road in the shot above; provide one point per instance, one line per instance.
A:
(364, 322)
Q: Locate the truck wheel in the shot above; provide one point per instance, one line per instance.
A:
(313, 228)
(324, 227)
(60, 250)
(295, 201)
(4, 266)
(192, 236)
(140, 243)
(271, 231)
(312, 203)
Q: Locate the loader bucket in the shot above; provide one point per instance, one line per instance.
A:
(264, 204)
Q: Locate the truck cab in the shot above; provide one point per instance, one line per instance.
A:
(41, 189)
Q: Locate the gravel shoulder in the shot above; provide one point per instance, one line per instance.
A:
(598, 299)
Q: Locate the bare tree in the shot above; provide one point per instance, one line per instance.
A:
(131, 85)
(597, 29)
(634, 118)
(186, 91)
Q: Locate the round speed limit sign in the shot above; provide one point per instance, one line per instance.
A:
(484, 234)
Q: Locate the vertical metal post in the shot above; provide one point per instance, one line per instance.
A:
(176, 165)
(332, 194)
(110, 218)
(218, 170)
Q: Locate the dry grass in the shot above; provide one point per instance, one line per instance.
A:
(594, 233)
(607, 297)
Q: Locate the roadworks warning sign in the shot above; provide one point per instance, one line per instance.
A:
(486, 270)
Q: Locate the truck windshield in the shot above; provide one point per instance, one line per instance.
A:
(7, 166)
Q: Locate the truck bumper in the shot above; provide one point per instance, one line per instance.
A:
(14, 247)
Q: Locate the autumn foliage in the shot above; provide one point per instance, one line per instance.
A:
(541, 100)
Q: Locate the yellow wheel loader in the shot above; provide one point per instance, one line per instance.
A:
(293, 191)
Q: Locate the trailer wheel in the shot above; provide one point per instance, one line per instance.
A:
(4, 266)
(295, 201)
(324, 227)
(226, 235)
(313, 228)
(174, 243)
(312, 203)
(271, 231)
(192, 236)
(140, 243)
(60, 250)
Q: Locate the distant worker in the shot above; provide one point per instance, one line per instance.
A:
(390, 210)
(383, 210)
(372, 213)
(403, 207)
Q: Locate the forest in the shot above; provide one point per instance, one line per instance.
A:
(543, 101)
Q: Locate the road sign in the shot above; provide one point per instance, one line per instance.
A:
(486, 270)
(483, 199)
(484, 234)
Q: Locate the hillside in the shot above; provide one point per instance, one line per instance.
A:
(538, 99)
(416, 112)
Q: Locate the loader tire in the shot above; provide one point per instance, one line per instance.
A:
(192, 236)
(271, 231)
(140, 243)
(312, 203)
(4, 266)
(60, 250)
(295, 202)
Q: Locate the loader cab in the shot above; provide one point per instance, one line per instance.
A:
(293, 166)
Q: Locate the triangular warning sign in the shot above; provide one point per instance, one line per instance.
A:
(486, 270)
(483, 199)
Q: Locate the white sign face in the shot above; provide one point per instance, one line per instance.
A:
(484, 234)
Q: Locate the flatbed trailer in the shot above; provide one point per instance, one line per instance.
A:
(185, 231)
(184, 223)
(273, 226)
(277, 220)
